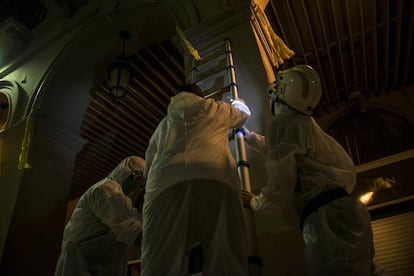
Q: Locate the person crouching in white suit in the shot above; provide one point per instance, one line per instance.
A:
(103, 224)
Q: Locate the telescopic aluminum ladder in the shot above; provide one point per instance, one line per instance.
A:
(208, 73)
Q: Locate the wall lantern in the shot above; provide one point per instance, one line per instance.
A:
(119, 72)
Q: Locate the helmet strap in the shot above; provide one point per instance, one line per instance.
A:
(273, 107)
(274, 101)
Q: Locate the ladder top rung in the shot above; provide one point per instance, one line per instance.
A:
(213, 47)
(212, 76)
(209, 65)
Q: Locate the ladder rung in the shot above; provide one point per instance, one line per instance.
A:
(213, 92)
(204, 71)
(209, 77)
(212, 48)
(211, 58)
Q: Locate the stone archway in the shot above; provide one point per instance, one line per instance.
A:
(58, 101)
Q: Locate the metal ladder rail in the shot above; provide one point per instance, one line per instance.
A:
(243, 168)
(241, 156)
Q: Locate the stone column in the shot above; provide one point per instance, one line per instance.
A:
(36, 226)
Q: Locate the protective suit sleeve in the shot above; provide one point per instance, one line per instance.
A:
(152, 149)
(256, 141)
(281, 169)
(116, 211)
(149, 156)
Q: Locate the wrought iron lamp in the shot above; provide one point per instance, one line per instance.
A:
(120, 71)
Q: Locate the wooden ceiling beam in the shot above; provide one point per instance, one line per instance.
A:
(398, 38)
(351, 46)
(170, 72)
(171, 58)
(387, 45)
(92, 149)
(100, 127)
(111, 148)
(145, 104)
(364, 48)
(114, 148)
(133, 105)
(92, 152)
(161, 74)
(86, 168)
(298, 36)
(128, 117)
(408, 46)
(375, 45)
(152, 95)
(135, 144)
(101, 167)
(339, 44)
(328, 51)
(315, 49)
(158, 76)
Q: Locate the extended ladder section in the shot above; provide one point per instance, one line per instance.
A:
(216, 75)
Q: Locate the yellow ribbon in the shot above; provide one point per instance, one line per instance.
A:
(193, 51)
(24, 152)
(279, 50)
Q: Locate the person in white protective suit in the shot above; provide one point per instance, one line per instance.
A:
(309, 170)
(193, 190)
(104, 223)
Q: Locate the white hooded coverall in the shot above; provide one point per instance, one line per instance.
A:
(102, 225)
(193, 190)
(302, 161)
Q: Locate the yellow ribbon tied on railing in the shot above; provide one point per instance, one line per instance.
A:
(24, 152)
(193, 51)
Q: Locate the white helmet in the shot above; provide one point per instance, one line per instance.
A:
(299, 87)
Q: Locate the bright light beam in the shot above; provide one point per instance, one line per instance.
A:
(366, 198)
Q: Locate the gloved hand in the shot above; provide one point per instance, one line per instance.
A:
(248, 135)
(246, 131)
(231, 100)
(240, 105)
(247, 197)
